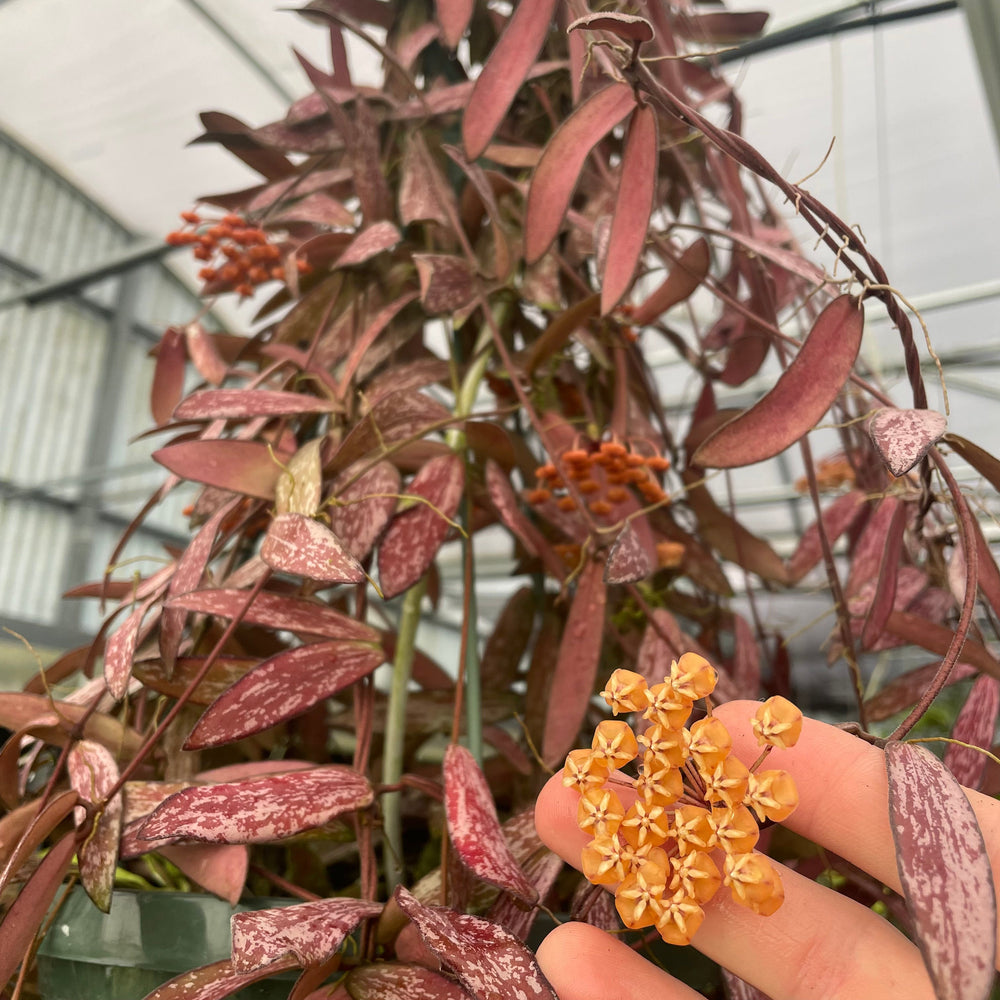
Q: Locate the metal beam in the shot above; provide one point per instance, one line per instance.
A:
(983, 19)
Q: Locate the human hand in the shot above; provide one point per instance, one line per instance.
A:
(818, 944)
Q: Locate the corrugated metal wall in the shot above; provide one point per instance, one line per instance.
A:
(74, 385)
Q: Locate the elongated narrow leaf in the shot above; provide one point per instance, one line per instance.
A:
(240, 404)
(836, 519)
(800, 397)
(246, 467)
(26, 913)
(504, 72)
(311, 932)
(558, 332)
(282, 687)
(542, 870)
(376, 239)
(685, 276)
(903, 437)
(559, 168)
(937, 638)
(905, 690)
(576, 667)
(215, 981)
(223, 673)
(120, 650)
(629, 27)
(257, 812)
(40, 823)
(306, 547)
(92, 773)
(168, 376)
(489, 961)
(363, 345)
(392, 980)
(19, 710)
(975, 725)
(944, 867)
(868, 552)
(414, 536)
(206, 350)
(884, 598)
(982, 461)
(474, 828)
(636, 191)
(291, 614)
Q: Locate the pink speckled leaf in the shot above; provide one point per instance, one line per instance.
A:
(218, 868)
(636, 190)
(415, 535)
(236, 404)
(887, 580)
(542, 869)
(558, 170)
(447, 282)
(836, 519)
(364, 508)
(92, 773)
(282, 687)
(203, 350)
(576, 666)
(975, 724)
(805, 390)
(505, 70)
(168, 376)
(629, 559)
(945, 871)
(303, 546)
(393, 980)
(740, 989)
(903, 437)
(474, 828)
(215, 981)
(311, 932)
(120, 650)
(868, 551)
(488, 960)
(257, 812)
(247, 467)
(187, 575)
(291, 614)
(394, 418)
(378, 237)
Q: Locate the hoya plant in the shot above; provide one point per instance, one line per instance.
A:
(459, 278)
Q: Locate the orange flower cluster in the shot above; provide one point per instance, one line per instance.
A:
(691, 800)
(242, 255)
(619, 468)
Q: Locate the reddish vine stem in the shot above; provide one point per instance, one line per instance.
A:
(968, 604)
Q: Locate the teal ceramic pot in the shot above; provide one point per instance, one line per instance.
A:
(146, 939)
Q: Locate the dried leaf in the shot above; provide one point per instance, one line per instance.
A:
(247, 467)
(415, 535)
(800, 397)
(982, 461)
(685, 276)
(311, 932)
(21, 922)
(20, 710)
(629, 27)
(944, 867)
(241, 404)
(168, 376)
(559, 168)
(474, 828)
(630, 559)
(392, 980)
(291, 614)
(283, 686)
(223, 673)
(576, 668)
(306, 547)
(92, 774)
(558, 332)
(262, 810)
(40, 824)
(976, 724)
(636, 192)
(505, 70)
(215, 981)
(903, 437)
(488, 961)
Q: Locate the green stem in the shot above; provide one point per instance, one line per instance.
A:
(395, 734)
(473, 682)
